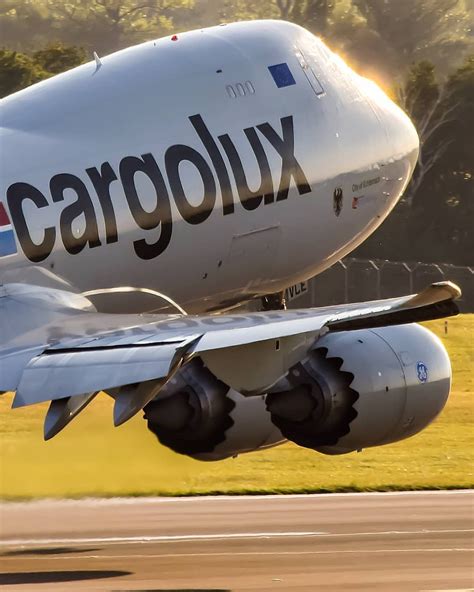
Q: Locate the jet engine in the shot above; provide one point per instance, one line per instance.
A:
(199, 415)
(362, 388)
(352, 390)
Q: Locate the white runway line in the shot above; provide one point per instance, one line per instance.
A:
(160, 538)
(75, 557)
(216, 536)
(136, 501)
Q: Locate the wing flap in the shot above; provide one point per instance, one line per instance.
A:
(58, 375)
(62, 411)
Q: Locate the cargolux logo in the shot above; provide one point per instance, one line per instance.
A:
(7, 236)
(160, 216)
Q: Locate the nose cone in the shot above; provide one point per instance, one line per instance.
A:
(400, 144)
(399, 129)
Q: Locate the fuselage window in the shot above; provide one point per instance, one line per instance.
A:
(230, 91)
(240, 89)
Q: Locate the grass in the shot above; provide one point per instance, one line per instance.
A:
(92, 458)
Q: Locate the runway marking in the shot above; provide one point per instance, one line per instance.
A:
(213, 537)
(212, 498)
(162, 538)
(260, 553)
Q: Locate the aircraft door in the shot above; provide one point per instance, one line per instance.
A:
(251, 259)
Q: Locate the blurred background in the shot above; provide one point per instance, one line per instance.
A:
(420, 51)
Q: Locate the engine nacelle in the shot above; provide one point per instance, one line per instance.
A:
(364, 388)
(199, 415)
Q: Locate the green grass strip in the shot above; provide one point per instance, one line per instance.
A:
(91, 458)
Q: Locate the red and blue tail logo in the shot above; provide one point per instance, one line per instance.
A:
(7, 236)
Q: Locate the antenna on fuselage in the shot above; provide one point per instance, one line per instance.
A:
(98, 61)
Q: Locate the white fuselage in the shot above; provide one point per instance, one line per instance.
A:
(229, 163)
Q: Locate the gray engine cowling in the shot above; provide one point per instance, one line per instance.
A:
(198, 415)
(364, 388)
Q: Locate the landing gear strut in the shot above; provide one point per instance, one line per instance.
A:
(274, 301)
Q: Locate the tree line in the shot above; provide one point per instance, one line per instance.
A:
(420, 51)
(379, 36)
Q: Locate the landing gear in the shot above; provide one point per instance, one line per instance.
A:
(274, 301)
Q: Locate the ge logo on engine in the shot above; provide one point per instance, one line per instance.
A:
(422, 372)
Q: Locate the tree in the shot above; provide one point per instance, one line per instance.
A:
(443, 210)
(108, 25)
(314, 15)
(401, 32)
(56, 57)
(430, 109)
(24, 24)
(437, 212)
(17, 71)
(102, 25)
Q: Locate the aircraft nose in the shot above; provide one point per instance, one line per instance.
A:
(399, 129)
(398, 142)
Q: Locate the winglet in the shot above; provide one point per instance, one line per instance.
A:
(434, 302)
(433, 294)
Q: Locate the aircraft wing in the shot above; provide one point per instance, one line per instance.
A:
(56, 347)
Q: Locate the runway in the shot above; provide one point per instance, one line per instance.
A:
(396, 541)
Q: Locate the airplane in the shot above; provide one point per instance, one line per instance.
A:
(148, 195)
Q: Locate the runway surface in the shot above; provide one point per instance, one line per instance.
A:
(397, 541)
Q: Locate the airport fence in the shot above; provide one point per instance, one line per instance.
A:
(357, 280)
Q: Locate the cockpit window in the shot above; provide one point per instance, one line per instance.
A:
(309, 73)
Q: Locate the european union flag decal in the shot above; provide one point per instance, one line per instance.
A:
(282, 75)
(7, 236)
